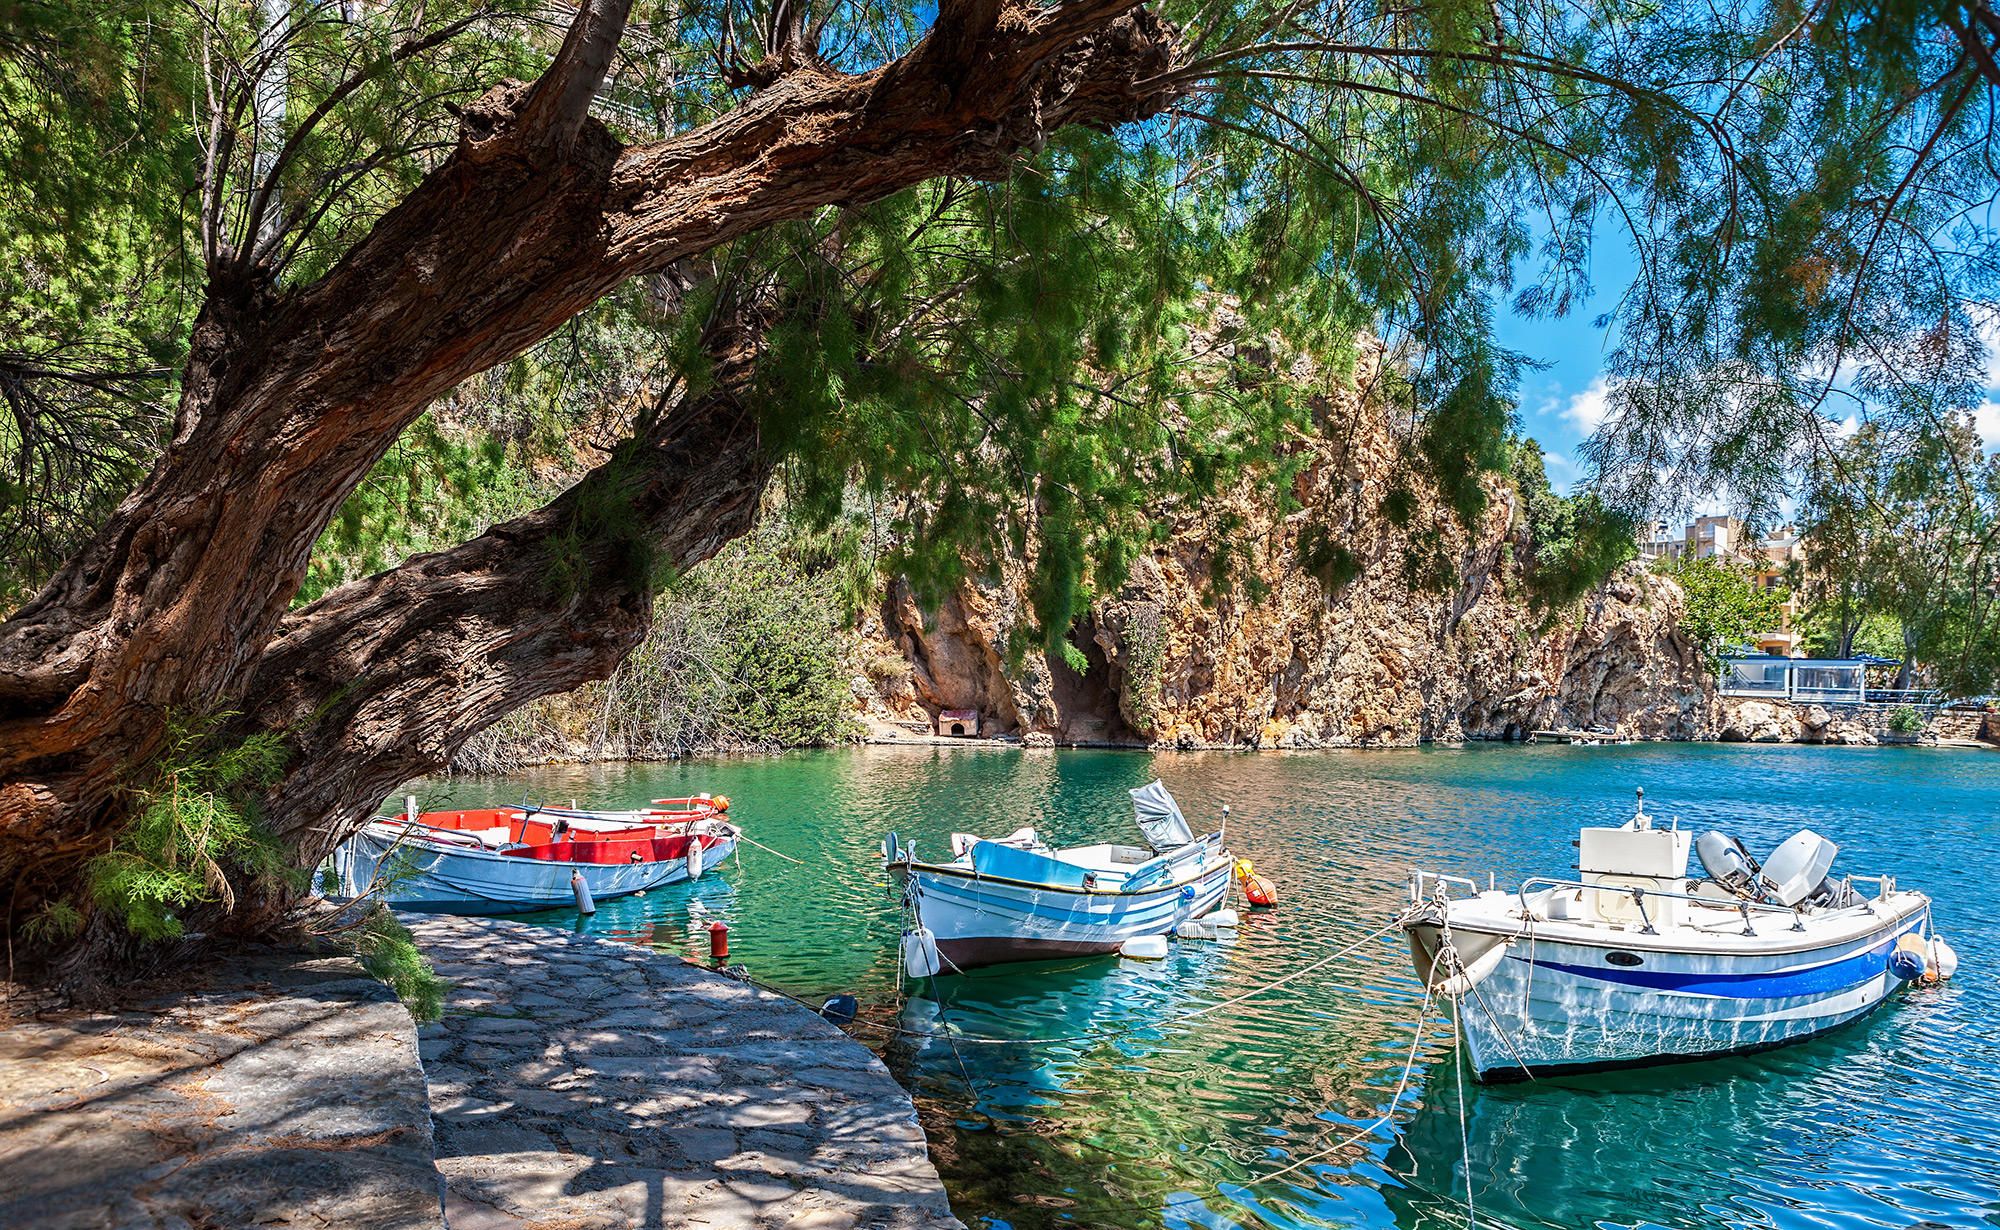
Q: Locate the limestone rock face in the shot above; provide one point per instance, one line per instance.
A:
(1334, 628)
(1756, 721)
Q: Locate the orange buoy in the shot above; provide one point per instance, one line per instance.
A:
(1257, 890)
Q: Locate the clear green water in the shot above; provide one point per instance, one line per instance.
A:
(1893, 1122)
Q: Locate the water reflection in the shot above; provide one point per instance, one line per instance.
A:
(1154, 1118)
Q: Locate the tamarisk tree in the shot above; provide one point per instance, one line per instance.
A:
(945, 254)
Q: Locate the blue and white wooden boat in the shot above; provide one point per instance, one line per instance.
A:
(512, 861)
(1017, 899)
(1634, 963)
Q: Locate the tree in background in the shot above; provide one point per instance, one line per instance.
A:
(1901, 535)
(1574, 541)
(1725, 607)
(948, 256)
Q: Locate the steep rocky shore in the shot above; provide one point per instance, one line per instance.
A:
(1382, 653)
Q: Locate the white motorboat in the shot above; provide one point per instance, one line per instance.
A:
(1634, 963)
(1017, 899)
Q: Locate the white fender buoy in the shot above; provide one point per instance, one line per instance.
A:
(694, 858)
(1144, 948)
(1195, 929)
(1944, 958)
(584, 905)
(1474, 973)
(920, 953)
(1222, 919)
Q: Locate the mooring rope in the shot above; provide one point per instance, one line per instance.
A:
(1365, 1130)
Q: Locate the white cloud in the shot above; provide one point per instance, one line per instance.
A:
(1987, 324)
(1986, 418)
(1843, 428)
(1587, 410)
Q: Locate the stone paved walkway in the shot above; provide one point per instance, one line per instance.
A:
(286, 1092)
(581, 1084)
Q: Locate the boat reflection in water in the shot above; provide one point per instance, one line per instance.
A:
(1559, 1152)
(1067, 1023)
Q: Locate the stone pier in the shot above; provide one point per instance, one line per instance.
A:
(573, 1084)
(274, 1090)
(590, 1085)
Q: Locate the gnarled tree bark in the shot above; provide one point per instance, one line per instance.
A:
(290, 395)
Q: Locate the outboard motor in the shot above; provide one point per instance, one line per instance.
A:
(1727, 862)
(1798, 867)
(1834, 894)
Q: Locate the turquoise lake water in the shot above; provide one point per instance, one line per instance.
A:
(1149, 1119)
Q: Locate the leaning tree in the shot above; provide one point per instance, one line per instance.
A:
(374, 202)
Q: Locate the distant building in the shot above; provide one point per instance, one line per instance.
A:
(958, 723)
(1716, 537)
(1728, 539)
(1773, 559)
(1657, 541)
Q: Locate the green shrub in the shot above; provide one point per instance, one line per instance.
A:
(1906, 720)
(389, 953)
(195, 823)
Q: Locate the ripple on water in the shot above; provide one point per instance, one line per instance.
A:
(1154, 1119)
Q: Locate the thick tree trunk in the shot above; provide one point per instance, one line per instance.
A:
(178, 607)
(384, 678)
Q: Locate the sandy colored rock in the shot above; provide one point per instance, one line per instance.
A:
(1426, 636)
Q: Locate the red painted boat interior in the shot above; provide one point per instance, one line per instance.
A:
(653, 842)
(618, 850)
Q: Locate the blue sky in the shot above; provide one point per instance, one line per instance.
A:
(1562, 403)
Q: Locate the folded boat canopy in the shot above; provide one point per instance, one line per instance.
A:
(1160, 817)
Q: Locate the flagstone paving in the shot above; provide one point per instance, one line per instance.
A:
(579, 1084)
(268, 1089)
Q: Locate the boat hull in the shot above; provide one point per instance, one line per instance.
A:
(980, 921)
(452, 880)
(1551, 1007)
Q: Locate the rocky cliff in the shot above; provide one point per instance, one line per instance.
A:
(1416, 632)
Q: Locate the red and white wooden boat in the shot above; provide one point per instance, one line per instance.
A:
(510, 860)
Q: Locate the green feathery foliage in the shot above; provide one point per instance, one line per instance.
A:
(194, 825)
(1574, 542)
(1725, 606)
(1904, 535)
(389, 953)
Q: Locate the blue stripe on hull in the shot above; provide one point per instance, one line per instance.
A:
(987, 919)
(449, 883)
(1819, 979)
(1552, 1006)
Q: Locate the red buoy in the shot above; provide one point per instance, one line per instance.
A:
(718, 941)
(1260, 892)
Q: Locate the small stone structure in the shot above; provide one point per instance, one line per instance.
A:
(958, 723)
(591, 1085)
(285, 1092)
